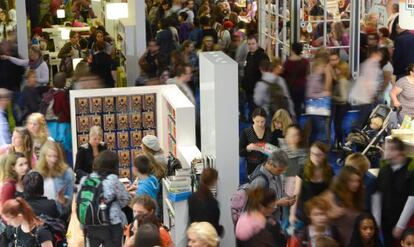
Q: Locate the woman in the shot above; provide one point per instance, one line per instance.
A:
(100, 37)
(346, 197)
(296, 70)
(207, 44)
(257, 226)
(253, 139)
(385, 78)
(151, 145)
(366, 232)
(339, 37)
(26, 229)
(314, 178)
(202, 234)
(143, 206)
(105, 167)
(37, 127)
(87, 152)
(35, 62)
(402, 94)
(13, 169)
(202, 206)
(188, 54)
(21, 143)
(281, 120)
(339, 98)
(102, 64)
(362, 163)
(6, 25)
(57, 175)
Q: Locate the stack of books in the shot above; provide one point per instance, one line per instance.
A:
(179, 186)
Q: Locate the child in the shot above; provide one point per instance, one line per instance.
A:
(407, 238)
(375, 125)
(147, 184)
(365, 232)
(30, 98)
(316, 209)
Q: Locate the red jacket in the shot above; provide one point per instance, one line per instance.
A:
(7, 190)
(61, 106)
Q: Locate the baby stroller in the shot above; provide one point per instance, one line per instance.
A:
(368, 140)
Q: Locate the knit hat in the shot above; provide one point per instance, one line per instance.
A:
(151, 142)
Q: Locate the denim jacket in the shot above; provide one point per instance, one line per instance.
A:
(67, 182)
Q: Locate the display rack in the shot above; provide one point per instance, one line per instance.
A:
(127, 114)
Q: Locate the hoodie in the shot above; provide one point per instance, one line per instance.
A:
(148, 186)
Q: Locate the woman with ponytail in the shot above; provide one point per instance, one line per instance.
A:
(202, 206)
(24, 228)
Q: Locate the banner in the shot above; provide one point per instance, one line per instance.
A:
(407, 14)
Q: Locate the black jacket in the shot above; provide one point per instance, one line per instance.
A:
(202, 206)
(403, 54)
(102, 64)
(84, 160)
(252, 72)
(42, 205)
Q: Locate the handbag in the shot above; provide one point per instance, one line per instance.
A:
(319, 106)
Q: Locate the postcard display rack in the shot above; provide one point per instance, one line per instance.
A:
(128, 114)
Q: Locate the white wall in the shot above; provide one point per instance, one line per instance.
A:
(220, 128)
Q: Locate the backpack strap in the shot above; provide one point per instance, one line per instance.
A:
(261, 174)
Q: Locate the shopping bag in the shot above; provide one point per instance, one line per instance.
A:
(319, 106)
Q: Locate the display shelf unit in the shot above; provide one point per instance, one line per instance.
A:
(165, 94)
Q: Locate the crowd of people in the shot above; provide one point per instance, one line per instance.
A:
(293, 196)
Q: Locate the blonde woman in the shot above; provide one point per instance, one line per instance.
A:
(151, 145)
(58, 176)
(202, 234)
(21, 143)
(37, 126)
(88, 151)
(281, 120)
(12, 169)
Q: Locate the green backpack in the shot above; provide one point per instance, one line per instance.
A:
(88, 202)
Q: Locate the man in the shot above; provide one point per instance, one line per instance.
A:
(393, 21)
(404, 52)
(5, 98)
(189, 9)
(207, 30)
(393, 188)
(271, 92)
(149, 60)
(183, 76)
(252, 72)
(270, 174)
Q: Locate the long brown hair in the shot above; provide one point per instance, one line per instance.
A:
(156, 169)
(349, 199)
(14, 207)
(27, 144)
(309, 168)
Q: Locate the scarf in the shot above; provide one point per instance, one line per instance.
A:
(34, 64)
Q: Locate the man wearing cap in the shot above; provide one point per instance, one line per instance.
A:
(5, 97)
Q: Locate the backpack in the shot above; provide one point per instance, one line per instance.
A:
(172, 165)
(239, 198)
(46, 105)
(278, 99)
(57, 228)
(88, 200)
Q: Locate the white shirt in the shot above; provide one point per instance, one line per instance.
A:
(49, 189)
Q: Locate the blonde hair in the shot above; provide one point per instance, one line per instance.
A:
(377, 121)
(43, 132)
(42, 166)
(205, 233)
(282, 116)
(27, 143)
(96, 131)
(343, 69)
(359, 161)
(7, 163)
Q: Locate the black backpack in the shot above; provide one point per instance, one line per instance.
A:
(172, 165)
(88, 200)
(46, 105)
(278, 99)
(56, 227)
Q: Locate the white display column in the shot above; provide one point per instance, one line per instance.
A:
(22, 40)
(220, 129)
(141, 40)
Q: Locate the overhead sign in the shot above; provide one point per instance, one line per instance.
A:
(407, 14)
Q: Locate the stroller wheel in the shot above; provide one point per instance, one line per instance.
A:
(340, 162)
